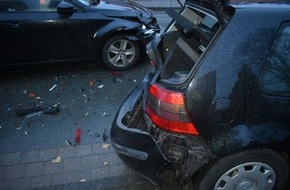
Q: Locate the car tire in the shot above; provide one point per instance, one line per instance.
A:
(258, 169)
(120, 53)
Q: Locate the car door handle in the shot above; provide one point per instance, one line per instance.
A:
(14, 25)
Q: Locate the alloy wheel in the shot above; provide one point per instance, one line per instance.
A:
(121, 53)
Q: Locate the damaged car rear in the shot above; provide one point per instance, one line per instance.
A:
(216, 109)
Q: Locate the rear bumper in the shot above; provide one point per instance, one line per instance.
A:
(136, 147)
(148, 150)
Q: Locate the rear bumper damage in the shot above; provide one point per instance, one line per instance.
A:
(149, 150)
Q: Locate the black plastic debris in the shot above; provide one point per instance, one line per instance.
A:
(31, 108)
(105, 136)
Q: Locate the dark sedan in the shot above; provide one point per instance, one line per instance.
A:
(39, 31)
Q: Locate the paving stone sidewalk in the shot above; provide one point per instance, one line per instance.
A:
(93, 165)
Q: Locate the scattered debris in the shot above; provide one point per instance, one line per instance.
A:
(118, 80)
(31, 95)
(56, 160)
(74, 75)
(101, 86)
(25, 132)
(53, 87)
(105, 136)
(93, 134)
(38, 98)
(19, 128)
(91, 83)
(106, 163)
(33, 110)
(34, 114)
(106, 146)
(78, 136)
(105, 114)
(115, 75)
(83, 180)
(86, 114)
(68, 142)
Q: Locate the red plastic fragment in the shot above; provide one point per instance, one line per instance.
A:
(78, 136)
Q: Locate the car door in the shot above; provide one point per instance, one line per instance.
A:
(35, 31)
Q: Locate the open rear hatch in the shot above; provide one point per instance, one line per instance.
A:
(220, 7)
(187, 37)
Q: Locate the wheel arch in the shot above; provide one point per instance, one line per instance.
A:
(116, 27)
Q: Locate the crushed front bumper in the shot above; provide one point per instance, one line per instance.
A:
(135, 147)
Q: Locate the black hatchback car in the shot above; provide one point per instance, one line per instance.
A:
(34, 31)
(217, 108)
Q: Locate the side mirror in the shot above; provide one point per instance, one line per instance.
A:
(65, 9)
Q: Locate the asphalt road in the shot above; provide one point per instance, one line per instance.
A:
(88, 96)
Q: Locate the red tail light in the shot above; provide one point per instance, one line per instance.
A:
(167, 110)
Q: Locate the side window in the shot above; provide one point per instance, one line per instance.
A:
(28, 5)
(275, 76)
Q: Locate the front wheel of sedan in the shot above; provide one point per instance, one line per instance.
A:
(120, 53)
(259, 169)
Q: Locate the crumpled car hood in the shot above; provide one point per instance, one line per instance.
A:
(122, 9)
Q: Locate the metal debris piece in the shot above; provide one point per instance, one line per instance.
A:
(56, 160)
(53, 87)
(118, 80)
(86, 114)
(34, 114)
(106, 163)
(25, 132)
(68, 142)
(101, 86)
(105, 114)
(83, 180)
